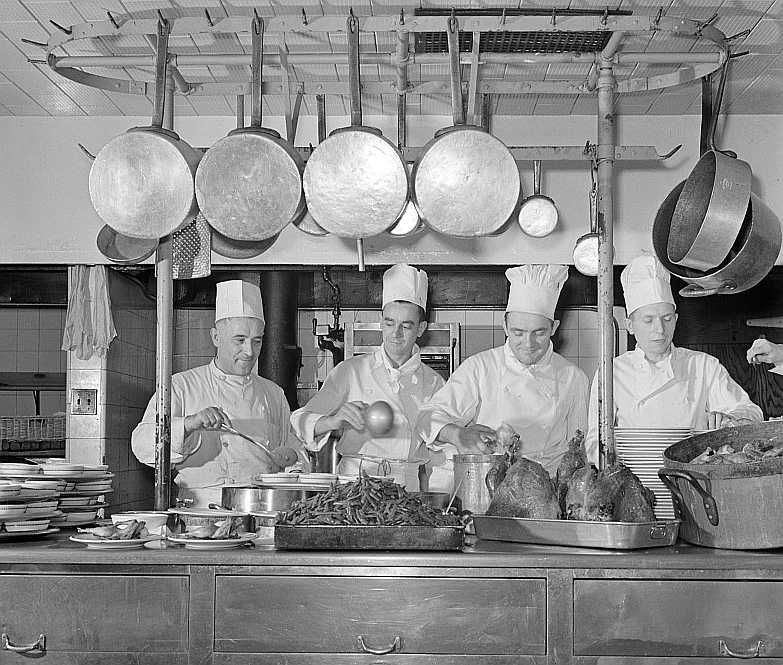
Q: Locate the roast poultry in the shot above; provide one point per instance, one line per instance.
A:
(579, 492)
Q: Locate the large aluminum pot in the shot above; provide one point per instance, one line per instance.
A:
(185, 518)
(263, 498)
(466, 182)
(470, 479)
(750, 260)
(731, 506)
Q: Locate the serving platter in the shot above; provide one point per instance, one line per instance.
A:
(4, 535)
(209, 544)
(109, 544)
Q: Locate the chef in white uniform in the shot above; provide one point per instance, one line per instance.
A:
(395, 374)
(523, 383)
(225, 391)
(659, 385)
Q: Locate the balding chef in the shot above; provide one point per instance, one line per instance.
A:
(523, 383)
(395, 374)
(659, 385)
(227, 391)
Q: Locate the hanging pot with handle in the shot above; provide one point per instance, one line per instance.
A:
(141, 183)
(711, 208)
(538, 213)
(249, 184)
(466, 181)
(355, 182)
(749, 260)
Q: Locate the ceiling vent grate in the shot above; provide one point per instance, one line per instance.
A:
(517, 42)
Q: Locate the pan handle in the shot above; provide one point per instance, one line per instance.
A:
(696, 291)
(161, 63)
(696, 480)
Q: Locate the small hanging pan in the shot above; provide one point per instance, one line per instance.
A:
(355, 182)
(466, 182)
(711, 208)
(141, 183)
(240, 249)
(249, 184)
(123, 249)
(538, 213)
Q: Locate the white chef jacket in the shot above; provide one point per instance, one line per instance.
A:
(678, 391)
(206, 459)
(369, 378)
(545, 403)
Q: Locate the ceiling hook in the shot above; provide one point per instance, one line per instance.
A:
(162, 18)
(35, 43)
(605, 16)
(209, 18)
(113, 20)
(304, 16)
(657, 19)
(61, 28)
(350, 12)
(503, 17)
(739, 35)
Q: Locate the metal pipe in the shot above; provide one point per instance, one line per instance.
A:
(320, 110)
(391, 59)
(605, 156)
(164, 347)
(402, 57)
(240, 111)
(183, 87)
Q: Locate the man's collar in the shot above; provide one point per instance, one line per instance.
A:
(409, 366)
(640, 361)
(543, 363)
(224, 376)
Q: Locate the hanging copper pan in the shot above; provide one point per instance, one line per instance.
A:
(466, 182)
(123, 249)
(141, 183)
(249, 184)
(355, 182)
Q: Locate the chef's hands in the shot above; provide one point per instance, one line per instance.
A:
(349, 415)
(470, 439)
(211, 418)
(764, 351)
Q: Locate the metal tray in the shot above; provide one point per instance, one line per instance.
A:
(360, 537)
(605, 535)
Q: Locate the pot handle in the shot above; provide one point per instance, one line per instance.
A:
(696, 291)
(695, 479)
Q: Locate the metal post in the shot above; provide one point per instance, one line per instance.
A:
(240, 111)
(605, 156)
(164, 347)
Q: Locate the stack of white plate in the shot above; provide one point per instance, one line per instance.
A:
(641, 450)
(82, 490)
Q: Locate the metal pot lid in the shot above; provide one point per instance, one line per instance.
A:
(356, 183)
(240, 249)
(141, 184)
(466, 183)
(120, 248)
(249, 185)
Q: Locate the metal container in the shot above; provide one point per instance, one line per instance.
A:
(470, 479)
(188, 517)
(264, 498)
(730, 506)
(577, 533)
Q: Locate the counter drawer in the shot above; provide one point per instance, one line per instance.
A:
(414, 615)
(95, 613)
(677, 618)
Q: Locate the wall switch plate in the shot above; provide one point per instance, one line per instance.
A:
(84, 401)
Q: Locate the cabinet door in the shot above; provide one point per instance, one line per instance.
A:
(678, 618)
(110, 614)
(357, 614)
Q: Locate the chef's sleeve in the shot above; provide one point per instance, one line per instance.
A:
(591, 439)
(332, 395)
(725, 395)
(457, 403)
(143, 436)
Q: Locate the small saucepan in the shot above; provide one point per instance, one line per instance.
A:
(538, 213)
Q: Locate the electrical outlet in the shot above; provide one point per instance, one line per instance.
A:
(84, 401)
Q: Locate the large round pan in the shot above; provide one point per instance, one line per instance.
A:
(749, 260)
(123, 249)
(711, 208)
(249, 184)
(466, 182)
(240, 249)
(355, 182)
(141, 183)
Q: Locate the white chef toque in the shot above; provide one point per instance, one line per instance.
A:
(404, 282)
(236, 298)
(645, 282)
(535, 288)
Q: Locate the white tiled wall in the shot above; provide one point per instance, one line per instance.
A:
(192, 342)
(30, 341)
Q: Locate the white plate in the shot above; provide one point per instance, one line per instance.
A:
(207, 544)
(108, 544)
(30, 534)
(27, 526)
(35, 472)
(72, 524)
(86, 493)
(16, 467)
(14, 513)
(276, 477)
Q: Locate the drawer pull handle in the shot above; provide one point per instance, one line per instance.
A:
(394, 646)
(753, 653)
(38, 645)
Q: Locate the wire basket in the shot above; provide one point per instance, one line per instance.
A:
(32, 433)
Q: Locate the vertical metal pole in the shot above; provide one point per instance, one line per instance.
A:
(240, 111)
(164, 346)
(605, 155)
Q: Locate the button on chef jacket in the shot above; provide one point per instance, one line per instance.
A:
(678, 391)
(369, 378)
(545, 403)
(206, 459)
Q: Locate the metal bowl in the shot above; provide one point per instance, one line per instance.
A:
(265, 498)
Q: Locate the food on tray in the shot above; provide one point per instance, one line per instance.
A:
(222, 530)
(120, 531)
(366, 501)
(753, 451)
(579, 491)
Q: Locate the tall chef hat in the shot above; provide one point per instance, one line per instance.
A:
(236, 298)
(535, 288)
(645, 281)
(404, 282)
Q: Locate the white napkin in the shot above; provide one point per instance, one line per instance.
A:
(89, 327)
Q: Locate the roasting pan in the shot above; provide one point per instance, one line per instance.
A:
(575, 533)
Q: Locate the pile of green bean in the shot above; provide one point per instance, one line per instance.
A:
(366, 501)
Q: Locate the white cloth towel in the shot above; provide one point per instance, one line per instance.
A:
(89, 326)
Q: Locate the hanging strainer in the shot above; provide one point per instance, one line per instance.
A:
(191, 249)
